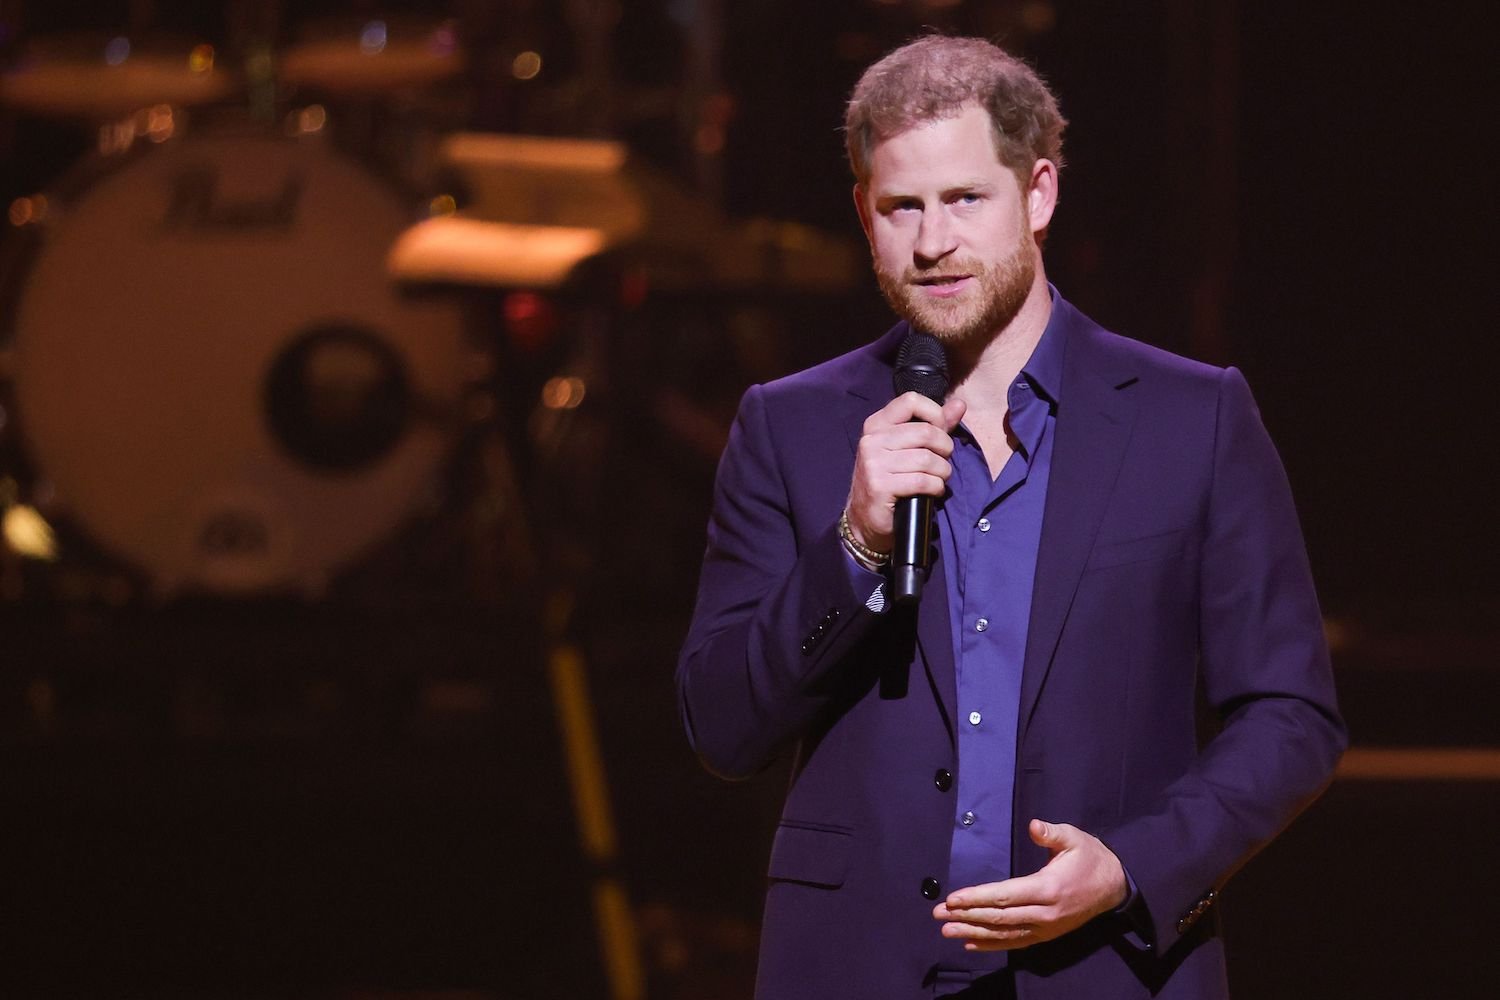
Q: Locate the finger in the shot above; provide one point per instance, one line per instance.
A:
(911, 435)
(984, 939)
(871, 474)
(1003, 918)
(1024, 890)
(911, 484)
(904, 408)
(909, 460)
(983, 932)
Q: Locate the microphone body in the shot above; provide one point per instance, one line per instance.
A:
(921, 367)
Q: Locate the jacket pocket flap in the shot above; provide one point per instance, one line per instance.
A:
(814, 855)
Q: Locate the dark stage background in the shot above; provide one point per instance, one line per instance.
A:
(377, 778)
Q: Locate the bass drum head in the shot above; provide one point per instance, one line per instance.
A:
(215, 373)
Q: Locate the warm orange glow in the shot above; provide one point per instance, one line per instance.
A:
(455, 249)
(1420, 764)
(565, 392)
(116, 137)
(28, 533)
(526, 66)
(306, 121)
(159, 123)
(201, 59)
(481, 149)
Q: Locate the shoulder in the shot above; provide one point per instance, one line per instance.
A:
(861, 374)
(1122, 361)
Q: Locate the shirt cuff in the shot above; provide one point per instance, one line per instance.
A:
(867, 585)
(1132, 913)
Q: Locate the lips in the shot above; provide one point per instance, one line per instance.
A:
(939, 280)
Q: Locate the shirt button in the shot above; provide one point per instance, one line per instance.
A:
(974, 718)
(981, 624)
(930, 888)
(943, 779)
(984, 524)
(967, 819)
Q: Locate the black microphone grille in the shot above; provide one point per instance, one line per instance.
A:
(921, 366)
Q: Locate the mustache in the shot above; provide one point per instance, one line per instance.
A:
(949, 269)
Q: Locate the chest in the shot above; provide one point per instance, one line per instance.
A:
(993, 434)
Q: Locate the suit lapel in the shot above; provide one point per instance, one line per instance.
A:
(1094, 419)
(935, 640)
(871, 388)
(868, 391)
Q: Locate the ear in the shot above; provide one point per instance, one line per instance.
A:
(1041, 194)
(863, 208)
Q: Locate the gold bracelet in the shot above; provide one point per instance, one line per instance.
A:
(866, 556)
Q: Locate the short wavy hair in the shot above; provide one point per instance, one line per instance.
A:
(935, 77)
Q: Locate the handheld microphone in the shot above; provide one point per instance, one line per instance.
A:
(921, 367)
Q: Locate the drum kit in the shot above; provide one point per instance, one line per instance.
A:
(206, 364)
(284, 301)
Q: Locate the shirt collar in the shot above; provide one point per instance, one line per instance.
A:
(1044, 368)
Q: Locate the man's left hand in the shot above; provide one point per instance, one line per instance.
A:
(1082, 880)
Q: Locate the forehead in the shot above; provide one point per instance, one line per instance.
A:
(934, 152)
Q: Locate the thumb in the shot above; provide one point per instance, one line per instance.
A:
(953, 412)
(1053, 836)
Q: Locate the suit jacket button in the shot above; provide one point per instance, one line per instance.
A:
(930, 888)
(943, 779)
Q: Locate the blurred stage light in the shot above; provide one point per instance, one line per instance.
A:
(201, 59)
(117, 50)
(565, 392)
(444, 41)
(27, 211)
(373, 38)
(530, 320)
(159, 123)
(526, 65)
(306, 121)
(28, 533)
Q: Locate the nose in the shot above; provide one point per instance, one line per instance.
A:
(936, 238)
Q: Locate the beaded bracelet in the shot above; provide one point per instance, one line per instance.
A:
(862, 553)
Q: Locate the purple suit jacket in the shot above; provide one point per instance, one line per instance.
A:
(1172, 574)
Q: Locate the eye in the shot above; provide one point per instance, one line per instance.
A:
(968, 198)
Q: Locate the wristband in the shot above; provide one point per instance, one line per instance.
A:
(862, 553)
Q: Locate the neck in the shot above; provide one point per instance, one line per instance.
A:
(981, 372)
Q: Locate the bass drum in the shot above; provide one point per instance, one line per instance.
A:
(214, 372)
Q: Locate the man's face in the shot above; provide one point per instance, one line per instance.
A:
(949, 228)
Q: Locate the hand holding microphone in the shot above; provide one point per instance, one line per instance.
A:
(902, 463)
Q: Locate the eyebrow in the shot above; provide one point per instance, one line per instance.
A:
(976, 186)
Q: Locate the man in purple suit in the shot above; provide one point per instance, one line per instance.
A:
(1003, 790)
